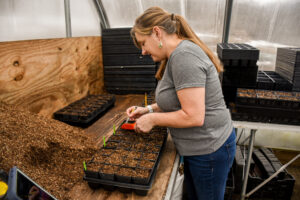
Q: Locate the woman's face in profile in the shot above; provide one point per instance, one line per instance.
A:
(150, 46)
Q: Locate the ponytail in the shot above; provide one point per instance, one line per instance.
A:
(171, 23)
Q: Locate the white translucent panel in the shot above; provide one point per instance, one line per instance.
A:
(84, 18)
(266, 24)
(31, 19)
(122, 13)
(172, 6)
(206, 17)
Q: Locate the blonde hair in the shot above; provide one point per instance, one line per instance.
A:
(170, 23)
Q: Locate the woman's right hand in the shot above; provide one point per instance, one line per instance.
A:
(135, 112)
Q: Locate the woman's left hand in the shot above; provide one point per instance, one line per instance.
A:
(144, 124)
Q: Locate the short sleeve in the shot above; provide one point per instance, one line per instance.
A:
(188, 70)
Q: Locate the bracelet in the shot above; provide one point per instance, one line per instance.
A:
(150, 109)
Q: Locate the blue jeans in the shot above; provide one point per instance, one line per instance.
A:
(205, 175)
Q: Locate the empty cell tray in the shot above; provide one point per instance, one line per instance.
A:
(84, 111)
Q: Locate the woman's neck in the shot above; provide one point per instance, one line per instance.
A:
(171, 42)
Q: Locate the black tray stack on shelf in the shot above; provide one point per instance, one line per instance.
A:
(86, 110)
(126, 70)
(270, 80)
(240, 69)
(288, 65)
(281, 107)
(128, 162)
(264, 164)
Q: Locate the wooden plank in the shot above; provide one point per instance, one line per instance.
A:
(46, 75)
(104, 127)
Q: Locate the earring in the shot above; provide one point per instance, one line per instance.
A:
(160, 45)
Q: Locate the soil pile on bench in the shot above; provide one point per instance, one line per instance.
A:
(48, 151)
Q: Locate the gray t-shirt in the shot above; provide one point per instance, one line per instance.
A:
(189, 66)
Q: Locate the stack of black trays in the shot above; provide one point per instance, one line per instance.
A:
(240, 69)
(270, 80)
(126, 70)
(128, 162)
(281, 107)
(86, 110)
(288, 65)
(263, 165)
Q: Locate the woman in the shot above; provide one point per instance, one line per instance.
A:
(189, 101)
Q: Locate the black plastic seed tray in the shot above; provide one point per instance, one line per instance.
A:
(116, 31)
(240, 77)
(275, 189)
(283, 85)
(265, 83)
(239, 166)
(263, 163)
(86, 110)
(288, 65)
(231, 76)
(237, 51)
(128, 90)
(126, 71)
(130, 84)
(127, 59)
(244, 151)
(276, 164)
(118, 40)
(130, 79)
(270, 80)
(285, 71)
(134, 79)
(265, 114)
(132, 71)
(268, 98)
(120, 49)
(229, 93)
(289, 54)
(130, 153)
(238, 63)
(248, 77)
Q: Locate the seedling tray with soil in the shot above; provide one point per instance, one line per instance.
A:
(86, 110)
(129, 161)
(268, 98)
(265, 114)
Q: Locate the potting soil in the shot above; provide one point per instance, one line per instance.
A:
(48, 151)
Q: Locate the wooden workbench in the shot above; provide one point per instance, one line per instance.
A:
(104, 127)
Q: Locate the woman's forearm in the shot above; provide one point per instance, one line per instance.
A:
(177, 119)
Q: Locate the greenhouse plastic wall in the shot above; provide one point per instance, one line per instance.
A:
(205, 16)
(266, 24)
(42, 19)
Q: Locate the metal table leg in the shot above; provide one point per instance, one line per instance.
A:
(251, 142)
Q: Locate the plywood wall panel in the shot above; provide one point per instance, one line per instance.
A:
(46, 75)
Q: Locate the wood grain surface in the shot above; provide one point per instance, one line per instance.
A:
(104, 127)
(46, 75)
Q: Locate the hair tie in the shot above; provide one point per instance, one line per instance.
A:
(172, 17)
